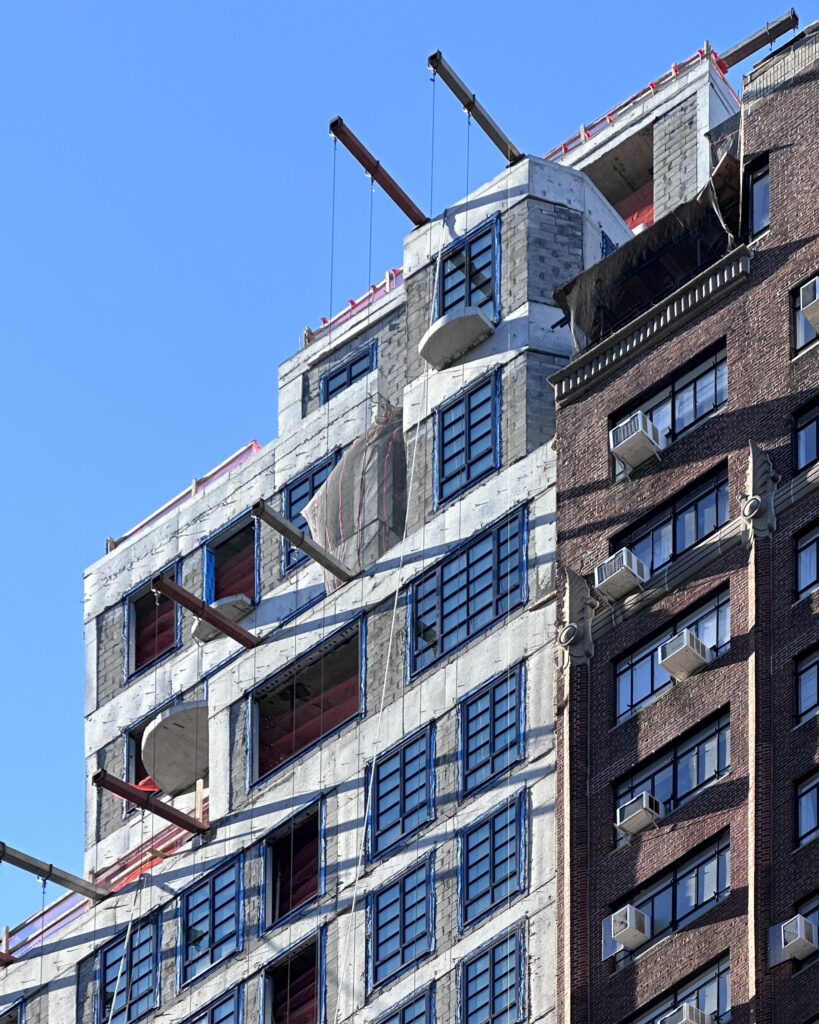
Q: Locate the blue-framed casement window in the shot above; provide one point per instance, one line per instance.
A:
(295, 496)
(696, 513)
(292, 866)
(292, 986)
(807, 686)
(682, 771)
(806, 449)
(344, 374)
(231, 563)
(492, 983)
(493, 860)
(211, 920)
(639, 677)
(400, 923)
(151, 623)
(403, 789)
(759, 196)
(469, 272)
(223, 1011)
(418, 1010)
(310, 699)
(807, 561)
(491, 729)
(803, 331)
(468, 591)
(467, 435)
(710, 992)
(807, 810)
(129, 975)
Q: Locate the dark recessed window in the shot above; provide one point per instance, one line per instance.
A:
(807, 686)
(295, 496)
(128, 975)
(467, 275)
(292, 987)
(807, 809)
(152, 626)
(210, 921)
(492, 861)
(492, 983)
(491, 737)
(230, 565)
(759, 192)
(346, 373)
(401, 922)
(136, 769)
(807, 561)
(807, 438)
(402, 791)
(803, 331)
(292, 866)
(467, 436)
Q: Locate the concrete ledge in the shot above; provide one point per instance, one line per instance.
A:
(453, 335)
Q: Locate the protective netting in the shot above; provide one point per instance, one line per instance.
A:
(359, 512)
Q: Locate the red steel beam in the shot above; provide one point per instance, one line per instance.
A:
(149, 801)
(7, 958)
(204, 611)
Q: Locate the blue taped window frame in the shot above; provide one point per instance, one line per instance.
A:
(15, 1014)
(463, 399)
(224, 533)
(206, 1016)
(349, 370)
(465, 242)
(513, 809)
(151, 922)
(376, 849)
(267, 856)
(234, 864)
(418, 1009)
(292, 558)
(174, 570)
(501, 608)
(424, 869)
(486, 952)
(607, 246)
(511, 680)
(316, 938)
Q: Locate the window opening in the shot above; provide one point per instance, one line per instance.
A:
(402, 791)
(492, 861)
(492, 983)
(760, 194)
(468, 438)
(135, 992)
(807, 686)
(807, 561)
(224, 1011)
(295, 496)
(803, 331)
(467, 273)
(401, 922)
(416, 1011)
(491, 737)
(231, 565)
(210, 924)
(807, 808)
(343, 376)
(152, 622)
(292, 987)
(292, 866)
(710, 992)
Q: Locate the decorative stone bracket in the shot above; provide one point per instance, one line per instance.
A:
(757, 504)
(574, 635)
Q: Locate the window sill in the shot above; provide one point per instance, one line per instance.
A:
(150, 664)
(811, 346)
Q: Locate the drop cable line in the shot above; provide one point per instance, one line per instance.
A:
(124, 952)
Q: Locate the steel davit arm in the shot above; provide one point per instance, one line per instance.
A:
(51, 874)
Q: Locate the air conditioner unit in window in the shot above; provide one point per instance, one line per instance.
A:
(683, 655)
(620, 574)
(809, 302)
(638, 813)
(798, 937)
(685, 1013)
(635, 440)
(629, 927)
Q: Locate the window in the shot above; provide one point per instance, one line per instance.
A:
(491, 729)
(401, 922)
(151, 624)
(807, 438)
(803, 332)
(492, 861)
(210, 921)
(14, 1016)
(807, 561)
(807, 809)
(230, 565)
(295, 496)
(492, 983)
(129, 975)
(606, 245)
(136, 771)
(292, 987)
(683, 771)
(292, 866)
(223, 1011)
(417, 1010)
(467, 438)
(402, 791)
(353, 368)
(307, 701)
(698, 512)
(468, 273)
(710, 992)
(468, 591)
(810, 909)
(807, 690)
(759, 199)
(640, 677)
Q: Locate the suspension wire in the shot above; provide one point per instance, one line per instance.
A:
(432, 150)
(466, 193)
(332, 227)
(124, 951)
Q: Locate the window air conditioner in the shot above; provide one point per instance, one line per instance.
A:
(798, 937)
(809, 302)
(635, 440)
(685, 1013)
(620, 574)
(638, 813)
(629, 927)
(683, 655)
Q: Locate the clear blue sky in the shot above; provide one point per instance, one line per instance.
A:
(165, 236)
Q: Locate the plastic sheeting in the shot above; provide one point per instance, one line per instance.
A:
(359, 512)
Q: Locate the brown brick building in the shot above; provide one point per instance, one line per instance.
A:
(687, 708)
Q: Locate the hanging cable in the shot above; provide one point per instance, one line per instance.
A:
(432, 152)
(466, 193)
(332, 228)
(124, 951)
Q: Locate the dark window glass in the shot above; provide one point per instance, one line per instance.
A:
(223, 1011)
(807, 561)
(606, 245)
(807, 438)
(490, 729)
(417, 1011)
(402, 791)
(292, 866)
(210, 926)
(296, 495)
(807, 690)
(292, 988)
(807, 807)
(810, 910)
(492, 861)
(803, 332)
(231, 565)
(152, 626)
(401, 922)
(467, 273)
(353, 368)
(759, 182)
(467, 435)
(491, 983)
(129, 975)
(467, 592)
(709, 992)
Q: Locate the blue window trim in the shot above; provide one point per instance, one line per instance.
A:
(238, 860)
(263, 853)
(127, 598)
(494, 378)
(215, 539)
(359, 622)
(428, 995)
(460, 243)
(155, 918)
(517, 931)
(374, 986)
(330, 459)
(20, 1007)
(320, 938)
(518, 801)
(203, 1016)
(372, 853)
(347, 364)
(522, 512)
(520, 670)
